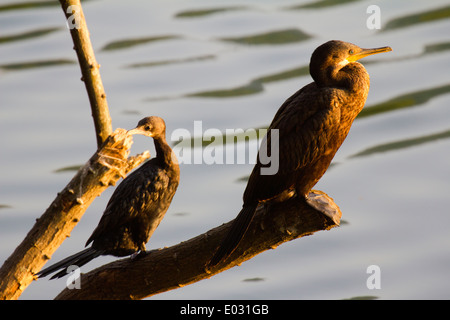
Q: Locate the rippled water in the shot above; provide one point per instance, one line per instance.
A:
(231, 64)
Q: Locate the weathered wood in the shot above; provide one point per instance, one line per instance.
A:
(89, 68)
(104, 168)
(183, 264)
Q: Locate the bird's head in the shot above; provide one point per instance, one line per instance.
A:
(329, 58)
(151, 127)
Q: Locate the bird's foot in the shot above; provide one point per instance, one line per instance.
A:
(138, 254)
(321, 202)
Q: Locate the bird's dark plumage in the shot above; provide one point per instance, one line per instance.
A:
(136, 207)
(312, 124)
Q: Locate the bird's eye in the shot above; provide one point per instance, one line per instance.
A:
(147, 128)
(351, 51)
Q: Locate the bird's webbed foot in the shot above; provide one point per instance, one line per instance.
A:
(321, 202)
(140, 253)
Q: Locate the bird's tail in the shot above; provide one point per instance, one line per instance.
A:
(79, 259)
(238, 229)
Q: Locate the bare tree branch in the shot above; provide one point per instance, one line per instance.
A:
(89, 68)
(104, 168)
(177, 266)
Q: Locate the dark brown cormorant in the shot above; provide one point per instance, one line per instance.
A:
(136, 207)
(312, 124)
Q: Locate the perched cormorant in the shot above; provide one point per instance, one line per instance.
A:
(312, 124)
(136, 207)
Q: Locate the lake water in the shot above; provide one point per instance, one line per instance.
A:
(231, 64)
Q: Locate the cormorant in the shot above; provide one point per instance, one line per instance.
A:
(312, 124)
(136, 207)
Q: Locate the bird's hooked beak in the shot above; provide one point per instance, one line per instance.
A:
(367, 52)
(140, 130)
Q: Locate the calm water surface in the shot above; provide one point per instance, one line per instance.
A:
(231, 64)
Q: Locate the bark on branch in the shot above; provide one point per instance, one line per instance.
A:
(170, 268)
(89, 68)
(104, 168)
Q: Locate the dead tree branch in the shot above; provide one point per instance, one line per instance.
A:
(177, 266)
(105, 167)
(89, 68)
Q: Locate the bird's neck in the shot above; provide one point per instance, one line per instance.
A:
(163, 151)
(355, 82)
(352, 77)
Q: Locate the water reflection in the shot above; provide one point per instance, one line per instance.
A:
(35, 64)
(407, 100)
(28, 5)
(27, 35)
(410, 20)
(129, 43)
(206, 12)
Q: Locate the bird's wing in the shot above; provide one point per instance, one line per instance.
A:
(305, 128)
(133, 195)
(305, 125)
